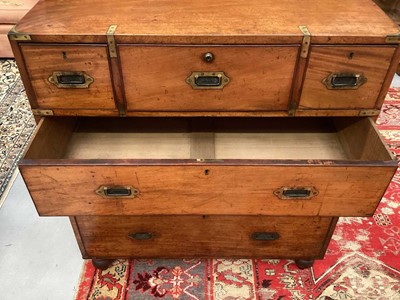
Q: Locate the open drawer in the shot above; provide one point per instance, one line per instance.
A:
(205, 166)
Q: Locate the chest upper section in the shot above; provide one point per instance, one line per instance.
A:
(206, 57)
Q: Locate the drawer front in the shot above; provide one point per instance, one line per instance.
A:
(206, 189)
(205, 236)
(185, 78)
(69, 77)
(345, 77)
(123, 166)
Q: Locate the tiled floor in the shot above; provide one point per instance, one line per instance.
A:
(39, 257)
(396, 81)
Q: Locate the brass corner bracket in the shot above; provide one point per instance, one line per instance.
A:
(14, 35)
(112, 48)
(369, 112)
(42, 112)
(305, 47)
(393, 38)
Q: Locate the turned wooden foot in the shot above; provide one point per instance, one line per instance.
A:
(102, 264)
(304, 264)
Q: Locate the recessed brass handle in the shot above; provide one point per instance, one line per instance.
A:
(296, 192)
(71, 80)
(117, 191)
(141, 236)
(344, 81)
(208, 80)
(265, 236)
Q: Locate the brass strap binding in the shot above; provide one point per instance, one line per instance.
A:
(112, 48)
(119, 94)
(306, 41)
(301, 71)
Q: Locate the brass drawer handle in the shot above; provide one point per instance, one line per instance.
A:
(296, 192)
(141, 236)
(344, 81)
(71, 80)
(117, 191)
(208, 80)
(265, 236)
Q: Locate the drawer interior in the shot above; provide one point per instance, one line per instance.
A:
(208, 138)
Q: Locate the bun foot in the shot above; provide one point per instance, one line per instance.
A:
(304, 264)
(102, 264)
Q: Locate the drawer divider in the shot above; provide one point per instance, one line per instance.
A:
(202, 145)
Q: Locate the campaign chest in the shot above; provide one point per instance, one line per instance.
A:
(206, 129)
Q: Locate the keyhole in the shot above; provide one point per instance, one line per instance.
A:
(64, 54)
(350, 56)
(206, 172)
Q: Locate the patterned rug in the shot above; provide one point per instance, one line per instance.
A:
(16, 123)
(362, 260)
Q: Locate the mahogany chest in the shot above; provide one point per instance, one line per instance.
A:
(206, 128)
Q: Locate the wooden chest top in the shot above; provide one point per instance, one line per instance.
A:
(212, 22)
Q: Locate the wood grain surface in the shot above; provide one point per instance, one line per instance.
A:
(284, 146)
(361, 140)
(373, 62)
(276, 113)
(204, 236)
(155, 78)
(206, 189)
(394, 65)
(63, 180)
(224, 21)
(50, 139)
(42, 60)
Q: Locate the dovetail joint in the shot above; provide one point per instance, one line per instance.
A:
(112, 47)
(14, 35)
(306, 41)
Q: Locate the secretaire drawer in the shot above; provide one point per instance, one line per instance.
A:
(345, 77)
(265, 166)
(205, 236)
(69, 76)
(207, 78)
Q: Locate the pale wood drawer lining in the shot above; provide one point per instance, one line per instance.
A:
(334, 139)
